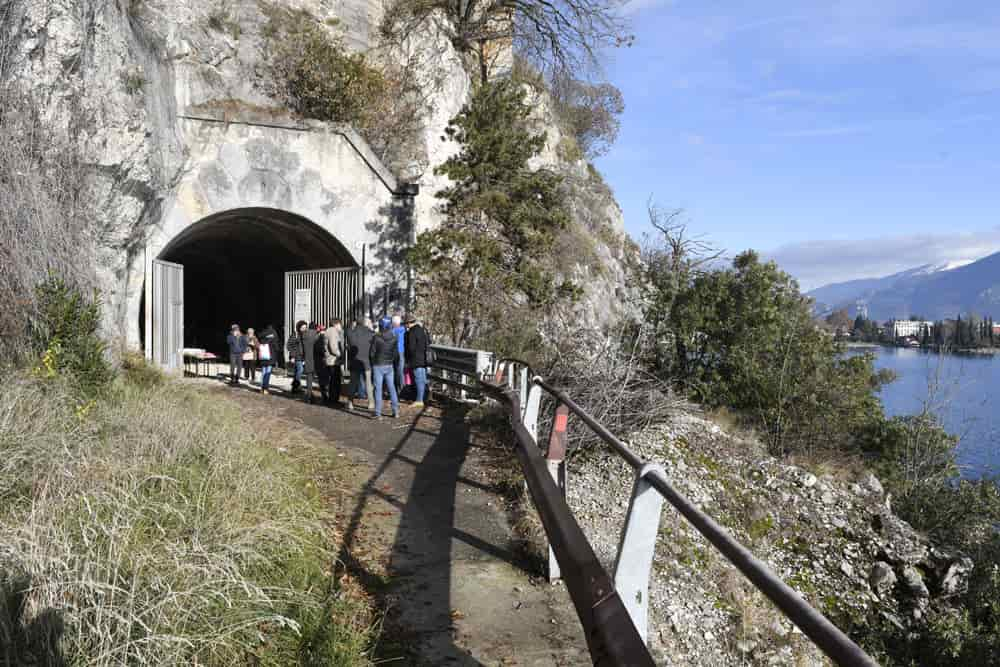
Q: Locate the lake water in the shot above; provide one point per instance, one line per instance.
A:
(965, 395)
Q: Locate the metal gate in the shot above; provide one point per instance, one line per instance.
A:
(322, 294)
(168, 314)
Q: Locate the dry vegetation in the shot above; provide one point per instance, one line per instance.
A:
(46, 217)
(156, 526)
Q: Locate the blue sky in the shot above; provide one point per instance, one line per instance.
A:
(842, 138)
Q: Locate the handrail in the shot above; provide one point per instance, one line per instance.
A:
(614, 624)
(827, 636)
(611, 636)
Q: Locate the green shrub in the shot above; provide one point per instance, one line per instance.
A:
(65, 336)
(140, 373)
(909, 450)
(314, 74)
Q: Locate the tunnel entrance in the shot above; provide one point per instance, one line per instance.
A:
(234, 270)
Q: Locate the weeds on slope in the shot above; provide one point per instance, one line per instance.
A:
(157, 527)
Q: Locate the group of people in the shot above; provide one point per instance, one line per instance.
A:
(248, 352)
(379, 361)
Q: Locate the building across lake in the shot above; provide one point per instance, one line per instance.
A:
(903, 328)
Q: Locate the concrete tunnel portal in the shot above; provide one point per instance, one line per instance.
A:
(234, 265)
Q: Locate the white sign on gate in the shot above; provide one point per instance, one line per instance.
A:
(303, 305)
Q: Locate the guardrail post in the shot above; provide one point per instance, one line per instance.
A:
(635, 551)
(530, 414)
(522, 377)
(555, 458)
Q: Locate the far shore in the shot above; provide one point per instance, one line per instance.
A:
(984, 351)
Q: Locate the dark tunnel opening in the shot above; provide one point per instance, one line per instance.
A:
(234, 265)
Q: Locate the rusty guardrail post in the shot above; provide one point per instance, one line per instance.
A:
(555, 459)
(634, 564)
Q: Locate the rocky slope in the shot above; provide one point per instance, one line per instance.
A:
(833, 538)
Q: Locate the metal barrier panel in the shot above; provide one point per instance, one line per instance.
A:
(327, 293)
(168, 314)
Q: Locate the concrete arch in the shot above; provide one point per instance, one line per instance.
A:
(311, 195)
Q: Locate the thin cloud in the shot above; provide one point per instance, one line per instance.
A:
(819, 132)
(817, 263)
(631, 7)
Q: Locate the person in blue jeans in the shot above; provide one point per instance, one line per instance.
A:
(417, 344)
(399, 331)
(296, 354)
(383, 355)
(267, 351)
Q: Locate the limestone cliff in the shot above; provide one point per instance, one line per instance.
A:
(168, 100)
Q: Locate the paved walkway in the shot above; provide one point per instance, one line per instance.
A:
(424, 497)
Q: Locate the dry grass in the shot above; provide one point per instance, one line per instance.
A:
(157, 527)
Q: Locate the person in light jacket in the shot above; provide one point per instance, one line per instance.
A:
(250, 356)
(333, 360)
(267, 351)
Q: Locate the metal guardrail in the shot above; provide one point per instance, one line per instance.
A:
(461, 368)
(614, 612)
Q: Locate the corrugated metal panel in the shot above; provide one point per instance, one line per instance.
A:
(334, 293)
(168, 314)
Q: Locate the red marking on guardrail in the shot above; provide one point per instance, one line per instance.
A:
(561, 422)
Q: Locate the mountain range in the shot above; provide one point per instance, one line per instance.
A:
(931, 291)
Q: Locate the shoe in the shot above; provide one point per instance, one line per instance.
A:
(418, 405)
(395, 415)
(350, 406)
(265, 392)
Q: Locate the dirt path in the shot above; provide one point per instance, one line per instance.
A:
(424, 529)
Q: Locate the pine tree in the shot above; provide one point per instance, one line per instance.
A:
(495, 244)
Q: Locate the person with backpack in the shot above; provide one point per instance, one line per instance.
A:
(267, 350)
(418, 356)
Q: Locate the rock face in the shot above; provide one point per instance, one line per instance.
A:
(832, 539)
(168, 100)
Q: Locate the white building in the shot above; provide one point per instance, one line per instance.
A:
(902, 328)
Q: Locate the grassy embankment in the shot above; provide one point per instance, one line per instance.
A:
(155, 525)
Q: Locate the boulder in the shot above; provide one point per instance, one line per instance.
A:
(882, 578)
(914, 584)
(956, 578)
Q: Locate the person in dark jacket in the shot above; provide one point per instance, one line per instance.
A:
(310, 337)
(267, 351)
(383, 356)
(359, 343)
(417, 343)
(295, 354)
(237, 346)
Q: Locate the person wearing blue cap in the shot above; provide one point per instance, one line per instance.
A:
(384, 352)
(399, 331)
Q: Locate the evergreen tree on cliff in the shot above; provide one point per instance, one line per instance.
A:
(491, 257)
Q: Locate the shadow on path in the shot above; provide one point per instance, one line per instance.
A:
(425, 531)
